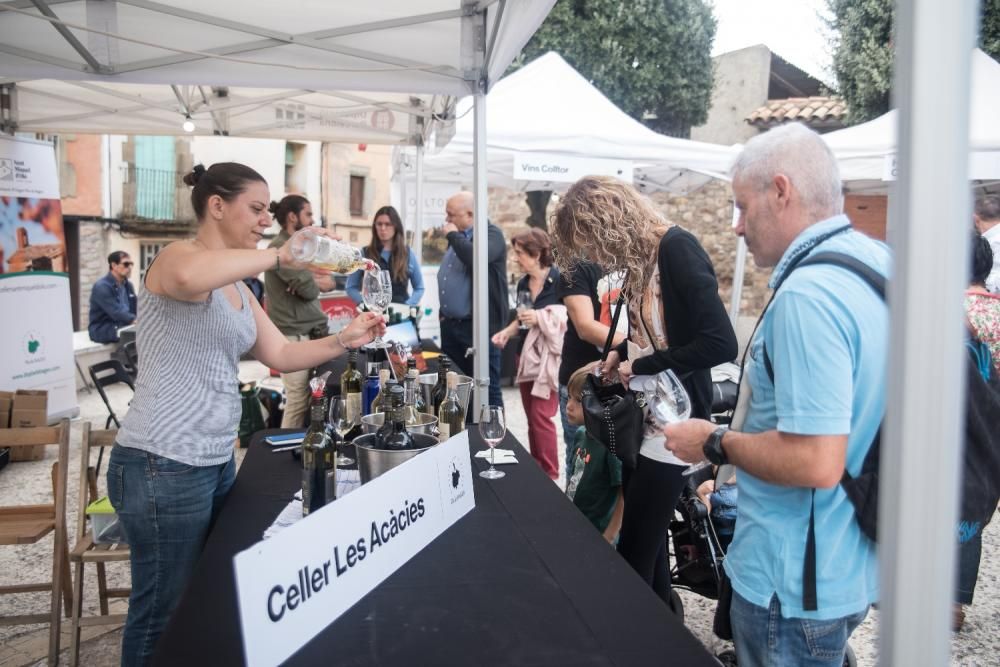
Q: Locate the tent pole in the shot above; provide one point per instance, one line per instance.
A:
(736, 298)
(417, 242)
(480, 267)
(922, 439)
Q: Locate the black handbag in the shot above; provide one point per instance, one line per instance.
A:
(612, 413)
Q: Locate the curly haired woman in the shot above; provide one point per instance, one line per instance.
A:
(676, 322)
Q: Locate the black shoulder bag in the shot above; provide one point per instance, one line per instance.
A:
(612, 413)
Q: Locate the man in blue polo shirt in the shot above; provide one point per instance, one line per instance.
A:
(112, 300)
(826, 334)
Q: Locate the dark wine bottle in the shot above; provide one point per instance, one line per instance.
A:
(451, 417)
(393, 433)
(318, 469)
(351, 385)
(441, 387)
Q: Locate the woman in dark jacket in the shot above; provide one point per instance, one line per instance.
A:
(676, 322)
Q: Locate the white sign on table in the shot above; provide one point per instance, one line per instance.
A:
(567, 169)
(293, 585)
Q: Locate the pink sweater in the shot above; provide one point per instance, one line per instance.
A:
(542, 351)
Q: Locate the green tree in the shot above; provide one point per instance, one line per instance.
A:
(861, 37)
(652, 58)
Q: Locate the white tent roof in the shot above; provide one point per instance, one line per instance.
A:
(548, 107)
(305, 69)
(862, 150)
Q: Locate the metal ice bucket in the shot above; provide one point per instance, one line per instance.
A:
(425, 423)
(428, 380)
(373, 462)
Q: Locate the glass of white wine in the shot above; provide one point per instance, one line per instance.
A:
(493, 428)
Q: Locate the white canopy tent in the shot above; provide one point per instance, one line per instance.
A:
(548, 108)
(379, 72)
(866, 153)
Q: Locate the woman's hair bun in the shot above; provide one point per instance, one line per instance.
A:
(192, 177)
(273, 207)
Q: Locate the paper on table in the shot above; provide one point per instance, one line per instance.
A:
(347, 481)
(485, 454)
(503, 456)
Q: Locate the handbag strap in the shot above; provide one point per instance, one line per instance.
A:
(614, 321)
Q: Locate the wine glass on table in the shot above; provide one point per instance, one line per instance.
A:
(493, 428)
(376, 290)
(669, 404)
(524, 302)
(342, 420)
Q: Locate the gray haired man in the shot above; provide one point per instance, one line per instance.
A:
(813, 412)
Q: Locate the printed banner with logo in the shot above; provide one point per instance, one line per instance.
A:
(37, 335)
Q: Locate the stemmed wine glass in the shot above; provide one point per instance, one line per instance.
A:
(376, 290)
(668, 404)
(342, 421)
(493, 428)
(524, 302)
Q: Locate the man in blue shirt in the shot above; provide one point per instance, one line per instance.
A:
(112, 300)
(455, 289)
(826, 334)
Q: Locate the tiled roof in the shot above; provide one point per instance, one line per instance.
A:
(817, 111)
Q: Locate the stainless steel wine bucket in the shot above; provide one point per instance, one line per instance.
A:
(426, 424)
(428, 380)
(374, 462)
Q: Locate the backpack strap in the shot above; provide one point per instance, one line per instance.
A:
(876, 281)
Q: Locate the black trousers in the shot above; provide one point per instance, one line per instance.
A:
(651, 492)
(456, 338)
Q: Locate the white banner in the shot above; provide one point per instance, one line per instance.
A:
(292, 586)
(37, 336)
(983, 166)
(567, 169)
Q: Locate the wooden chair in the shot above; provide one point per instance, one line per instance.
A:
(28, 524)
(86, 551)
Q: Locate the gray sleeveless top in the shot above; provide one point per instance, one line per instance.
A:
(187, 400)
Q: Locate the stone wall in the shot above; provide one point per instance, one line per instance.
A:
(706, 213)
(93, 263)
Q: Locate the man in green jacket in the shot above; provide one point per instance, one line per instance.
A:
(293, 306)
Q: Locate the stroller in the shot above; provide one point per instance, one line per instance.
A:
(698, 544)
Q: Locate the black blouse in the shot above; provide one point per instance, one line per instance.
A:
(547, 296)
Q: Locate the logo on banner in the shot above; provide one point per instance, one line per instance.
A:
(6, 169)
(383, 120)
(32, 342)
(456, 484)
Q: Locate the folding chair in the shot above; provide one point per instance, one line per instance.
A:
(132, 357)
(27, 524)
(105, 374)
(87, 551)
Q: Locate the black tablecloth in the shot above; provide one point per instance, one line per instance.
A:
(523, 579)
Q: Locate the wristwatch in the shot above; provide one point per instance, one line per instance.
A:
(712, 448)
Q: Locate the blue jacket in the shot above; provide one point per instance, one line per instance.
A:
(107, 312)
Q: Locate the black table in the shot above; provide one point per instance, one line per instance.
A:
(523, 579)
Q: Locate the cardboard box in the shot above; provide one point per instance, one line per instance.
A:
(30, 408)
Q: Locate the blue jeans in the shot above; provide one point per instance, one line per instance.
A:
(569, 430)
(764, 639)
(969, 555)
(166, 509)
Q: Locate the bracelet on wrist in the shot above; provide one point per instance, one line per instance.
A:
(341, 342)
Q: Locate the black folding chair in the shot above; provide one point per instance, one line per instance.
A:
(132, 358)
(103, 375)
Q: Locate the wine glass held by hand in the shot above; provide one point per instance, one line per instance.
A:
(493, 428)
(670, 404)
